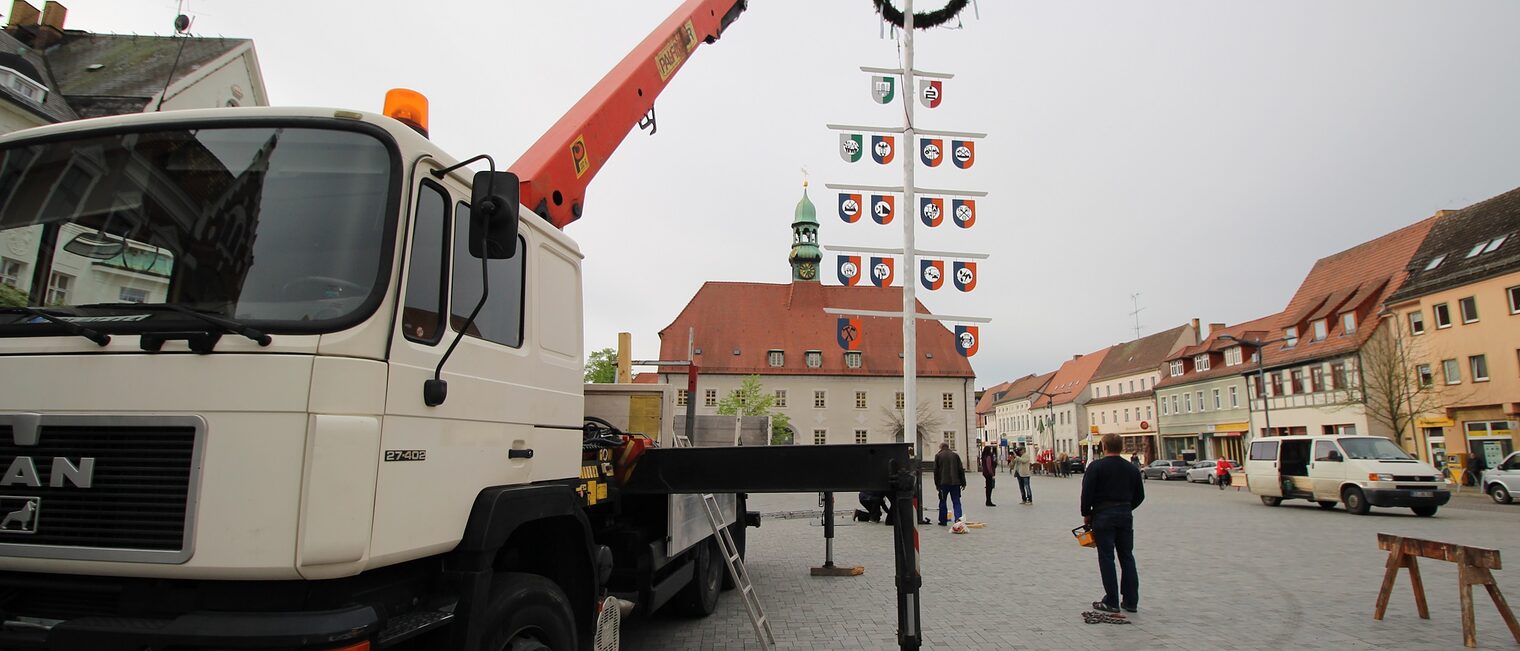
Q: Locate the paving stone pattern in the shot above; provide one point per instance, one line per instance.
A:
(1218, 570)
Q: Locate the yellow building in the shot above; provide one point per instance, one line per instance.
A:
(1458, 315)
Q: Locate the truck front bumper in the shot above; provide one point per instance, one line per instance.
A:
(1396, 497)
(331, 629)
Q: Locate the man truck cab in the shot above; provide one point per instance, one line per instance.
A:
(1358, 471)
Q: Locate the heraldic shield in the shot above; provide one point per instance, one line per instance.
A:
(932, 273)
(967, 340)
(848, 333)
(965, 275)
(849, 207)
(883, 88)
(964, 212)
(964, 153)
(849, 270)
(882, 271)
(883, 149)
(932, 210)
(931, 92)
(931, 151)
(851, 146)
(882, 208)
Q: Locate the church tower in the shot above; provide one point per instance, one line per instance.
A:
(805, 256)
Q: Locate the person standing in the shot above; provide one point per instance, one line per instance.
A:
(1021, 472)
(1111, 490)
(989, 470)
(950, 478)
(1135, 459)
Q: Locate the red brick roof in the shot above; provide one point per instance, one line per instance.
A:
(1071, 379)
(984, 403)
(1261, 329)
(646, 378)
(756, 318)
(1358, 279)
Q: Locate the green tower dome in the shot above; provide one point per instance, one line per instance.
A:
(805, 255)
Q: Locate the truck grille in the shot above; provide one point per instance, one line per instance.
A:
(139, 497)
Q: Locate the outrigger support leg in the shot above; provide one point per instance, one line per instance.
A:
(905, 539)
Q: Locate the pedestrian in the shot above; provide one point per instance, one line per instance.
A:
(1222, 473)
(1111, 490)
(950, 478)
(1021, 472)
(876, 506)
(989, 470)
(1062, 465)
(1011, 457)
(1135, 459)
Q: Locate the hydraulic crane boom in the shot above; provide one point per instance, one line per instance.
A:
(555, 171)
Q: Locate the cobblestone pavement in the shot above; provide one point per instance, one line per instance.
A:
(1217, 570)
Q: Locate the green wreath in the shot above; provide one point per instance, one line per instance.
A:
(936, 18)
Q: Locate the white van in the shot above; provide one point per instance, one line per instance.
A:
(1359, 471)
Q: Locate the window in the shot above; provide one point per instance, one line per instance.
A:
(1326, 451)
(1175, 410)
(58, 288)
(1276, 387)
(1478, 364)
(1435, 262)
(1201, 363)
(1147, 412)
(12, 271)
(501, 318)
(814, 358)
(860, 436)
(1132, 386)
(1187, 402)
(1452, 372)
(1514, 299)
(1103, 418)
(1217, 403)
(132, 295)
(1176, 368)
(1234, 397)
(950, 438)
(780, 398)
(710, 398)
(1348, 323)
(1200, 401)
(1427, 378)
(899, 401)
(776, 358)
(1164, 410)
(1417, 323)
(1264, 450)
(1443, 315)
(820, 399)
(1338, 376)
(681, 397)
(422, 316)
(1495, 244)
(1469, 308)
(1320, 329)
(1142, 384)
(820, 436)
(1317, 377)
(860, 400)
(1126, 414)
(1291, 334)
(1232, 356)
(947, 401)
(852, 359)
(1296, 380)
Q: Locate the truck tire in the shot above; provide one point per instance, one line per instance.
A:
(700, 597)
(528, 613)
(1271, 501)
(1424, 511)
(1356, 501)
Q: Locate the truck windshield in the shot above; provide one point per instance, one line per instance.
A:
(1372, 448)
(285, 227)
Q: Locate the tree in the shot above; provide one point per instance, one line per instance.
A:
(601, 366)
(12, 297)
(928, 421)
(1393, 390)
(751, 399)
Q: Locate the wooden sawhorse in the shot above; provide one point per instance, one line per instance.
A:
(1473, 565)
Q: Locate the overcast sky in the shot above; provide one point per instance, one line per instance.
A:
(1201, 153)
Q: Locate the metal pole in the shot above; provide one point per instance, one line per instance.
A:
(828, 530)
(691, 388)
(910, 257)
(1261, 380)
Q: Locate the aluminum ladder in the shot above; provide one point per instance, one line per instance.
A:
(737, 572)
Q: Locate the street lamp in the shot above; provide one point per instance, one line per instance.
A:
(1261, 375)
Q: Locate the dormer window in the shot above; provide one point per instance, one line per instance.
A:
(1201, 363)
(852, 359)
(1348, 323)
(1232, 356)
(776, 358)
(1176, 367)
(1291, 335)
(814, 358)
(23, 85)
(1321, 329)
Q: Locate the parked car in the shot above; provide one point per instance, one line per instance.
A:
(1166, 469)
(1503, 481)
(1203, 471)
(1358, 471)
(1075, 464)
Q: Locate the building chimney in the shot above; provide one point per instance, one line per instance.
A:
(1213, 328)
(1076, 357)
(50, 30)
(1197, 336)
(23, 14)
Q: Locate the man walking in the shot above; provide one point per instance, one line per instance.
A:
(989, 470)
(1021, 472)
(1111, 490)
(950, 477)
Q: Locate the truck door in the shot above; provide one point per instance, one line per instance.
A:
(1327, 471)
(1261, 469)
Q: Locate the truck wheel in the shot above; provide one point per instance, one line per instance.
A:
(1271, 501)
(528, 613)
(1500, 494)
(700, 597)
(1356, 501)
(1423, 511)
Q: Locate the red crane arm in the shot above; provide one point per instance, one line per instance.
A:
(554, 172)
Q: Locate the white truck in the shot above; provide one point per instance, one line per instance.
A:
(294, 378)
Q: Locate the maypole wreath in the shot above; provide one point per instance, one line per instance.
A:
(926, 20)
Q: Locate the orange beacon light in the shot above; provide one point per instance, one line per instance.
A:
(409, 107)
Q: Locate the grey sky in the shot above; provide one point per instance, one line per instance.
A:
(1202, 153)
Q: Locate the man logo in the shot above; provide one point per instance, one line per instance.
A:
(965, 276)
(881, 149)
(930, 92)
(966, 340)
(20, 514)
(931, 151)
(849, 207)
(882, 206)
(932, 210)
(881, 271)
(965, 212)
(850, 146)
(849, 270)
(932, 273)
(965, 153)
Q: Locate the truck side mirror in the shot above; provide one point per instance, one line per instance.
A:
(493, 215)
